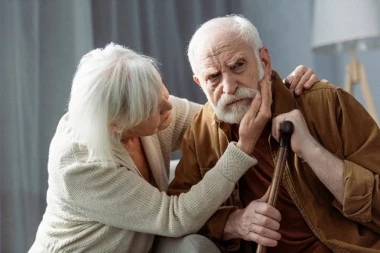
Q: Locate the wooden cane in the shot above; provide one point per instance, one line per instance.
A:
(286, 132)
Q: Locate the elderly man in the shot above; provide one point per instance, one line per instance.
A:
(329, 199)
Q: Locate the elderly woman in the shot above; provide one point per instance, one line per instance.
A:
(109, 161)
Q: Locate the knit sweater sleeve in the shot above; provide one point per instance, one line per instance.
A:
(119, 197)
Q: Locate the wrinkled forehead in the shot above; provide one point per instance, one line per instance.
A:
(218, 47)
(213, 39)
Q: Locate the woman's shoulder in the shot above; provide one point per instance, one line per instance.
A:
(66, 150)
(183, 103)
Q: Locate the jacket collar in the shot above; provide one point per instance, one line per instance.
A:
(285, 102)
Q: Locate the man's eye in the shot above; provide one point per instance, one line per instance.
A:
(213, 76)
(239, 67)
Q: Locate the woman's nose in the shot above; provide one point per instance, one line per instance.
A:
(167, 105)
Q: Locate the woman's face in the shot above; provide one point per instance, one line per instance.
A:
(156, 122)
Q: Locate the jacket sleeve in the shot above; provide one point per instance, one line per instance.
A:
(345, 128)
(361, 148)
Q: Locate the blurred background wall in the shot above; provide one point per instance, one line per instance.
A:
(41, 42)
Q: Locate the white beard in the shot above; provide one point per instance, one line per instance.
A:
(233, 114)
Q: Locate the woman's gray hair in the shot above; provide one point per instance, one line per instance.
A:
(112, 86)
(235, 23)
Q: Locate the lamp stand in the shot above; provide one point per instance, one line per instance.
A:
(355, 73)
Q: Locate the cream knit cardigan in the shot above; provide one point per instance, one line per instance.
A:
(94, 207)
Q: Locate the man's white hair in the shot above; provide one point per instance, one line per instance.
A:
(229, 23)
(112, 86)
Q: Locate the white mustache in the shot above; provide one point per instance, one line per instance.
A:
(240, 93)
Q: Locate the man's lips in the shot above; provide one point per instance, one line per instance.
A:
(240, 101)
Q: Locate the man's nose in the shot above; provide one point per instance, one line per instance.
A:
(230, 84)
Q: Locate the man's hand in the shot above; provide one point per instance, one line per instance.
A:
(328, 168)
(301, 140)
(255, 119)
(302, 78)
(258, 222)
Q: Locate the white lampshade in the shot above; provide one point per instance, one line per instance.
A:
(343, 24)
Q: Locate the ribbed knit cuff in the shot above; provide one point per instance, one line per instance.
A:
(234, 162)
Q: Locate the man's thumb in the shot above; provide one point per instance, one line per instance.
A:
(265, 197)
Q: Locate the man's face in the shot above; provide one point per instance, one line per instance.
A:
(229, 75)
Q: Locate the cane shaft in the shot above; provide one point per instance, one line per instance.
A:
(261, 249)
(278, 172)
(286, 131)
(277, 177)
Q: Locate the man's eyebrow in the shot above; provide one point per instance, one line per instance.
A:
(234, 59)
(209, 71)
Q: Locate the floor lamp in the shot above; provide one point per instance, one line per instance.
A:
(342, 26)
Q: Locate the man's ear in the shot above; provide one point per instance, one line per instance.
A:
(265, 60)
(196, 79)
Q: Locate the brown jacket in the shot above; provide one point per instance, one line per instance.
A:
(343, 127)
